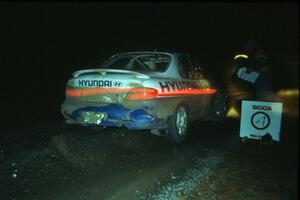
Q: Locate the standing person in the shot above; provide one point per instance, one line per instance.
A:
(260, 63)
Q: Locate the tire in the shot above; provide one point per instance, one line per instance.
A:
(220, 113)
(223, 109)
(178, 125)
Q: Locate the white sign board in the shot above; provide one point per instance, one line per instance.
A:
(250, 77)
(259, 118)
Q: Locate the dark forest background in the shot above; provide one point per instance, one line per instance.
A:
(41, 44)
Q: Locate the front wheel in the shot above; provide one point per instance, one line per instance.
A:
(178, 125)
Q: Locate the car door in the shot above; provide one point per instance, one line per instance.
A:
(196, 102)
(207, 82)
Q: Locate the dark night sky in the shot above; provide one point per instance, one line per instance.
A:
(102, 28)
(43, 43)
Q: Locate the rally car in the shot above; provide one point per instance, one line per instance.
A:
(158, 91)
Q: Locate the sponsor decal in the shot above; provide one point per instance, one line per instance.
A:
(255, 136)
(94, 83)
(117, 84)
(99, 83)
(258, 107)
(171, 88)
(167, 86)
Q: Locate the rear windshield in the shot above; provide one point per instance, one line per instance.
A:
(140, 62)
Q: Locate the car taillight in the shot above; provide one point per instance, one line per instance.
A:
(142, 94)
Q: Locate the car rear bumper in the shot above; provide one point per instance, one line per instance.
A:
(115, 115)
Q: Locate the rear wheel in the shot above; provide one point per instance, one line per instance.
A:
(222, 109)
(178, 125)
(221, 105)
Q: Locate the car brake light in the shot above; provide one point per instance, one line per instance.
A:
(142, 94)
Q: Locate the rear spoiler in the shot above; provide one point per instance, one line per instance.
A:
(111, 71)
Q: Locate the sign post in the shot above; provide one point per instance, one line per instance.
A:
(259, 119)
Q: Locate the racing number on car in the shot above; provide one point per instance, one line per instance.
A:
(260, 120)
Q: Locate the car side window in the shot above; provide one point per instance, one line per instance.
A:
(198, 73)
(185, 68)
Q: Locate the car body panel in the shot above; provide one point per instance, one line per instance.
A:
(101, 96)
